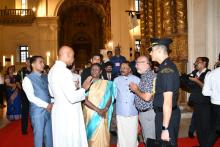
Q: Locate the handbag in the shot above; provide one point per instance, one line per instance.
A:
(159, 143)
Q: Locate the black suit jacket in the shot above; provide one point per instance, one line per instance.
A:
(104, 75)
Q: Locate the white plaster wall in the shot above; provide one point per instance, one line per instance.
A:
(203, 30)
(213, 31)
(41, 37)
(53, 7)
(119, 25)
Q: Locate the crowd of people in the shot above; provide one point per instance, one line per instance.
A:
(69, 109)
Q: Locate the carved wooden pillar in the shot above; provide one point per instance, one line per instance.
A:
(150, 19)
(181, 16)
(143, 15)
(158, 18)
(167, 18)
(147, 23)
(107, 21)
(181, 43)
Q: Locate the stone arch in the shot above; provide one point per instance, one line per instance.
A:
(63, 5)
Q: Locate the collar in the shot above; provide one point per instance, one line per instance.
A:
(164, 63)
(143, 74)
(37, 73)
(147, 70)
(125, 77)
(199, 73)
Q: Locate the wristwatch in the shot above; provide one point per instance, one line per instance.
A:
(164, 128)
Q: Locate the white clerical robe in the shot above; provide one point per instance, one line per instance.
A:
(67, 118)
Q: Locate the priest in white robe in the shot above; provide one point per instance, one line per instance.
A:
(67, 118)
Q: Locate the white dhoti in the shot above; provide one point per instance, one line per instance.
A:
(127, 131)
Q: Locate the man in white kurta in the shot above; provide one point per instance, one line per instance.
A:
(67, 118)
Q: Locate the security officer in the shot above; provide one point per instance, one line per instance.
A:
(167, 118)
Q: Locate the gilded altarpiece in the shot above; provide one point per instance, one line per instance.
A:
(166, 18)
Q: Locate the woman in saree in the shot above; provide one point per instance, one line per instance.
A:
(13, 96)
(98, 109)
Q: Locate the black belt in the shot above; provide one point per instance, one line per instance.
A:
(145, 110)
(160, 109)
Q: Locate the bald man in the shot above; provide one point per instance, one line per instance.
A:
(67, 118)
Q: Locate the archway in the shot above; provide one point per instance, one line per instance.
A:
(81, 27)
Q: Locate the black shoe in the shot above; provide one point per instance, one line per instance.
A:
(24, 133)
(191, 135)
(114, 133)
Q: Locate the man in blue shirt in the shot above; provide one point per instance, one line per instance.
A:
(144, 97)
(126, 112)
(117, 60)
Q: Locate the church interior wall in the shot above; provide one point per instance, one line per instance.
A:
(203, 29)
(40, 37)
(10, 4)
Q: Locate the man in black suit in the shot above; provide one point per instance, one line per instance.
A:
(87, 71)
(201, 103)
(107, 73)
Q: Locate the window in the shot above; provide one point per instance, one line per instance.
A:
(137, 5)
(23, 53)
(137, 45)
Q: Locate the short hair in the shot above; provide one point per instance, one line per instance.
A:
(205, 59)
(97, 64)
(34, 59)
(108, 64)
(162, 47)
(109, 52)
(99, 55)
(117, 48)
(127, 62)
(136, 52)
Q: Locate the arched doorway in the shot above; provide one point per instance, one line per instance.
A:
(81, 27)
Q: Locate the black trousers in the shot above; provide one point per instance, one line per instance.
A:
(24, 113)
(192, 126)
(173, 127)
(215, 124)
(202, 121)
(1, 93)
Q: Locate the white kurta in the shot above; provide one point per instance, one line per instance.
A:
(67, 118)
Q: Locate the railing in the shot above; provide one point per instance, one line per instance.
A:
(16, 16)
(17, 12)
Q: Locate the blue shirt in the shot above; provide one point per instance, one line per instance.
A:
(117, 61)
(125, 105)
